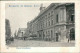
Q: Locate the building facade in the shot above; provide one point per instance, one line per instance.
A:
(56, 22)
(7, 30)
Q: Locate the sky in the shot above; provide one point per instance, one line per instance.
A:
(20, 13)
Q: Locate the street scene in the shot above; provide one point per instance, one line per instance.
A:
(40, 25)
(38, 43)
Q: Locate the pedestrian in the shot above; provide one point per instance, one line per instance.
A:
(24, 38)
(68, 38)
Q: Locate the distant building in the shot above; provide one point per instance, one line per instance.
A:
(56, 22)
(21, 33)
(7, 29)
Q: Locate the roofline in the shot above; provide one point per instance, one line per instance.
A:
(50, 6)
(44, 11)
(65, 4)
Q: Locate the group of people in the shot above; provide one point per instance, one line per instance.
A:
(9, 40)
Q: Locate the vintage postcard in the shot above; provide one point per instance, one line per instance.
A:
(40, 26)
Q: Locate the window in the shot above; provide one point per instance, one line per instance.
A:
(72, 18)
(57, 18)
(51, 34)
(51, 22)
(43, 24)
(46, 24)
(46, 16)
(51, 12)
(46, 32)
(49, 15)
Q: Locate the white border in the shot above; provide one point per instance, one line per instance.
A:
(42, 49)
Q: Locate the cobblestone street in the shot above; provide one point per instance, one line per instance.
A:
(36, 43)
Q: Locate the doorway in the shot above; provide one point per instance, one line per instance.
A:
(72, 34)
(51, 34)
(57, 37)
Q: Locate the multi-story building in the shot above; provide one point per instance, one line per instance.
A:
(7, 30)
(56, 22)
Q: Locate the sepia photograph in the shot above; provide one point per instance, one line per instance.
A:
(40, 24)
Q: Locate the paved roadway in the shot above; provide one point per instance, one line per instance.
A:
(36, 43)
